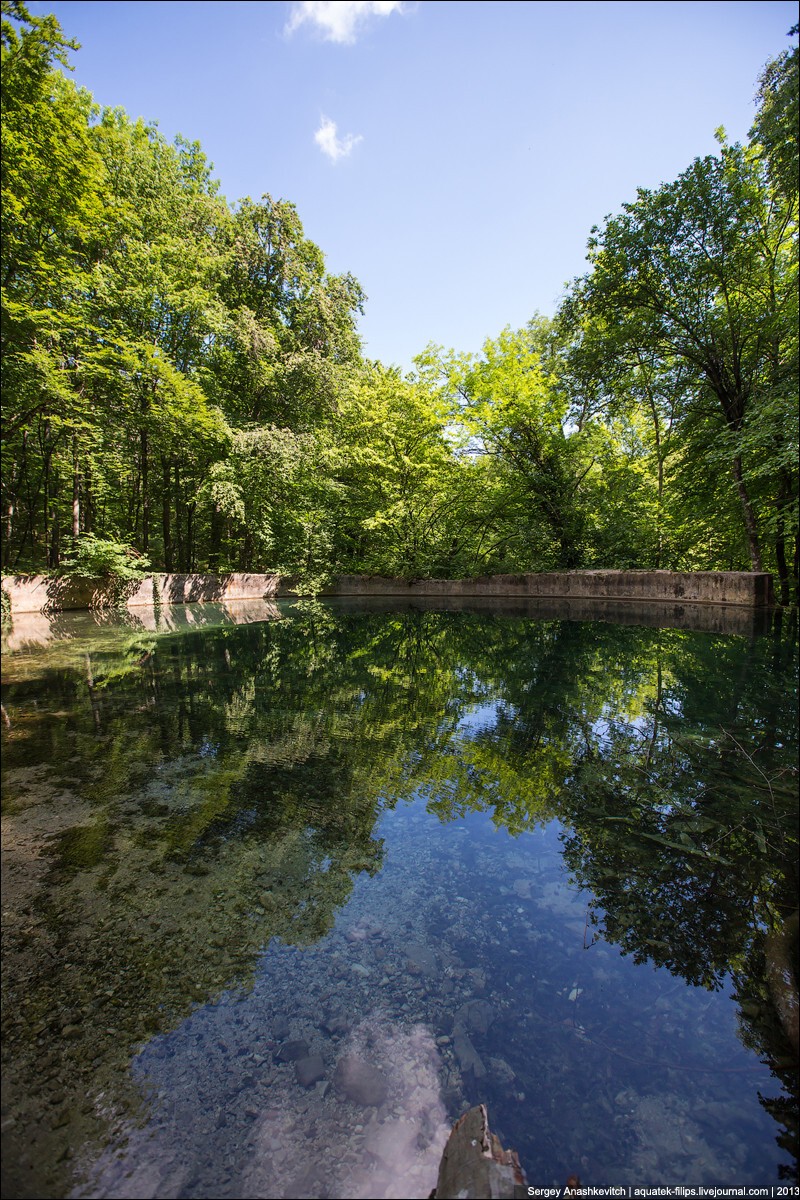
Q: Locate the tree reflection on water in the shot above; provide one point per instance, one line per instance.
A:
(179, 795)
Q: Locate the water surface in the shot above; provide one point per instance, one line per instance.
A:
(493, 857)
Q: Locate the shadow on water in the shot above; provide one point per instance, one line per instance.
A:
(204, 809)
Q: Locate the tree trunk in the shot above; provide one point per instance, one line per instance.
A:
(190, 535)
(178, 516)
(76, 492)
(749, 516)
(216, 538)
(247, 550)
(54, 551)
(783, 566)
(145, 491)
(52, 531)
(166, 514)
(12, 512)
(660, 504)
(134, 504)
(8, 523)
(46, 497)
(88, 506)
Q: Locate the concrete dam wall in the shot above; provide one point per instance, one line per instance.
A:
(42, 593)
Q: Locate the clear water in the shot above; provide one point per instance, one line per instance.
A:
(495, 858)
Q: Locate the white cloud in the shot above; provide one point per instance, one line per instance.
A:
(340, 20)
(331, 144)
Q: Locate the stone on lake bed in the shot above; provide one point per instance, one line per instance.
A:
(467, 1055)
(476, 1015)
(360, 1082)
(363, 929)
(478, 978)
(336, 1024)
(502, 1072)
(421, 959)
(292, 1051)
(309, 1070)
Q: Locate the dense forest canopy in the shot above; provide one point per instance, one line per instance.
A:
(182, 376)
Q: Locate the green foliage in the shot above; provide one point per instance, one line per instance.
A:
(406, 497)
(104, 560)
(519, 415)
(147, 332)
(49, 172)
(185, 375)
(776, 124)
(690, 311)
(289, 328)
(271, 493)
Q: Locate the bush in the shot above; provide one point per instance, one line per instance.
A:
(108, 561)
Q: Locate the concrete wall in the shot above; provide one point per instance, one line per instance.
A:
(192, 589)
(688, 587)
(38, 593)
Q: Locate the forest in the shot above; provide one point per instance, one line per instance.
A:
(184, 387)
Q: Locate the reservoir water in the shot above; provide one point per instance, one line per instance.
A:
(286, 888)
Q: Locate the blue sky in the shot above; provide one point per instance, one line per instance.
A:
(453, 156)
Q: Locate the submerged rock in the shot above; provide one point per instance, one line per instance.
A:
(309, 1070)
(359, 1081)
(363, 929)
(476, 1015)
(292, 1051)
(336, 1025)
(502, 1072)
(475, 1164)
(467, 1055)
(421, 959)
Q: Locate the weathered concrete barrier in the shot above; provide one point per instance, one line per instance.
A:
(688, 587)
(40, 593)
(193, 589)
